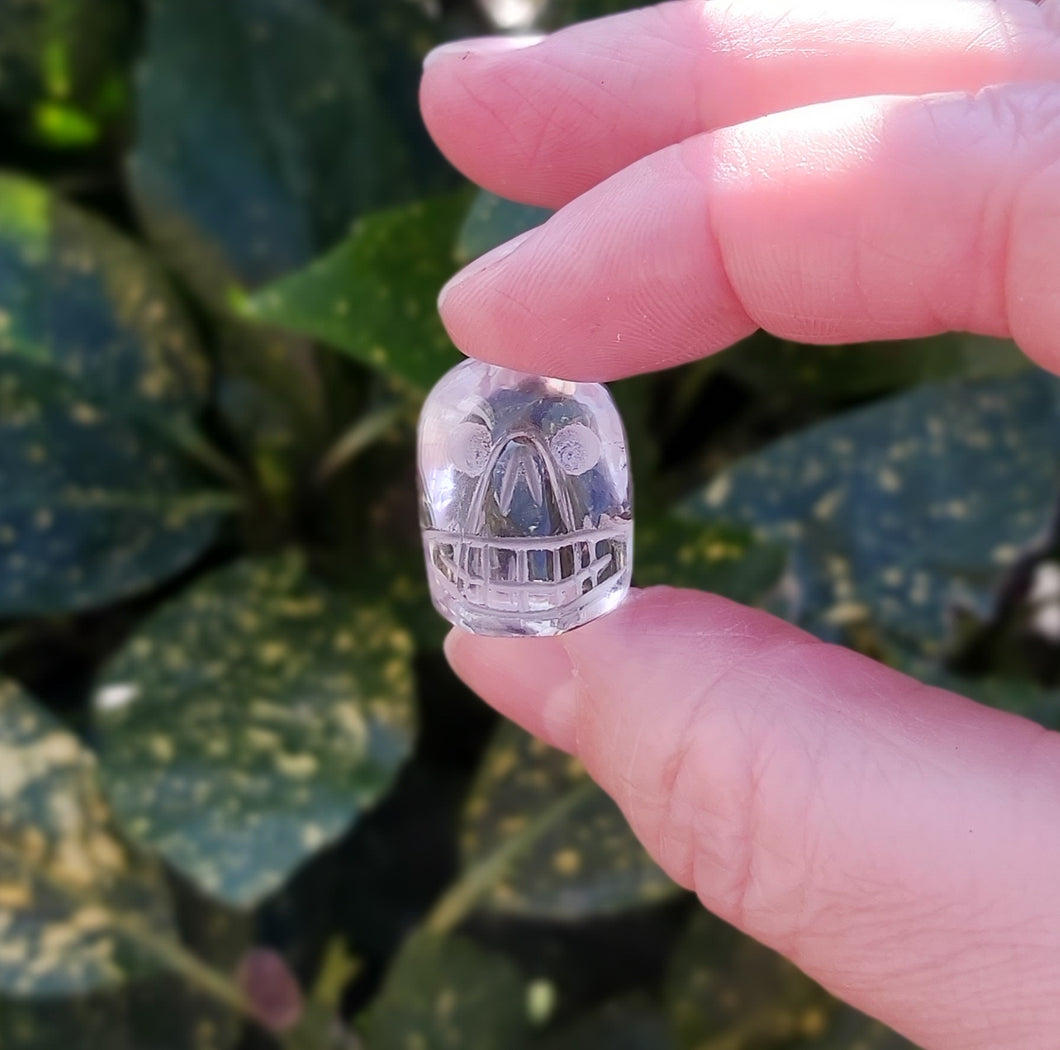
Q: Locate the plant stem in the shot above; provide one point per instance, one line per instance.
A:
(175, 957)
(197, 447)
(455, 905)
(169, 952)
(367, 430)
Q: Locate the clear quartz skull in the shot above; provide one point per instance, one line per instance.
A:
(525, 501)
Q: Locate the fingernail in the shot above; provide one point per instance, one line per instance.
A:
(483, 263)
(530, 680)
(481, 45)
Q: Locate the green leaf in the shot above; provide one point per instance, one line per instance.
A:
(272, 396)
(848, 1029)
(492, 220)
(445, 993)
(259, 137)
(586, 863)
(899, 514)
(250, 721)
(92, 508)
(65, 877)
(83, 918)
(100, 374)
(156, 1013)
(802, 372)
(160, 1011)
(397, 576)
(725, 989)
(373, 297)
(396, 38)
(622, 1025)
(86, 302)
(264, 127)
(708, 556)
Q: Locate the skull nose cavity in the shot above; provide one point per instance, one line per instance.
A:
(519, 463)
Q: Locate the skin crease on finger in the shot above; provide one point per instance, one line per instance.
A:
(896, 841)
(861, 219)
(546, 123)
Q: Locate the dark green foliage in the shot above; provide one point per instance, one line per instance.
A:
(443, 993)
(66, 880)
(795, 371)
(900, 514)
(710, 557)
(250, 720)
(623, 1025)
(100, 374)
(223, 709)
(727, 991)
(259, 136)
(373, 296)
(584, 863)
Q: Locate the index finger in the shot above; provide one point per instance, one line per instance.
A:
(545, 123)
(863, 219)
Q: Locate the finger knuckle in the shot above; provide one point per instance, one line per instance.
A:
(735, 777)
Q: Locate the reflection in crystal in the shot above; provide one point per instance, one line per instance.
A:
(525, 501)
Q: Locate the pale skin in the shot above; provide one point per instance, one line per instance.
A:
(832, 171)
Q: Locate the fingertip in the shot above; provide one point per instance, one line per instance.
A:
(540, 683)
(529, 680)
(474, 273)
(620, 281)
(476, 47)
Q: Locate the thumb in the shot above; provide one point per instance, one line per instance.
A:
(896, 841)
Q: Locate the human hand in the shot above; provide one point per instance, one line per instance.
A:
(831, 172)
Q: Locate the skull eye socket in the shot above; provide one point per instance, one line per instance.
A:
(576, 448)
(469, 448)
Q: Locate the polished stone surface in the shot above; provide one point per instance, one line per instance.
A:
(525, 501)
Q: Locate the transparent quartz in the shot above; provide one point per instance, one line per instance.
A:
(525, 501)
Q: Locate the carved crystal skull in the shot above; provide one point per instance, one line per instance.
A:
(524, 501)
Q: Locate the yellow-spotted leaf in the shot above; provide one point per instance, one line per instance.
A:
(82, 300)
(726, 989)
(250, 721)
(373, 296)
(66, 880)
(100, 374)
(848, 1029)
(899, 515)
(445, 993)
(162, 1010)
(580, 857)
(708, 556)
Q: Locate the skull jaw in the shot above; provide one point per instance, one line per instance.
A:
(526, 586)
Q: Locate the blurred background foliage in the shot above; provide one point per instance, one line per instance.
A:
(243, 803)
